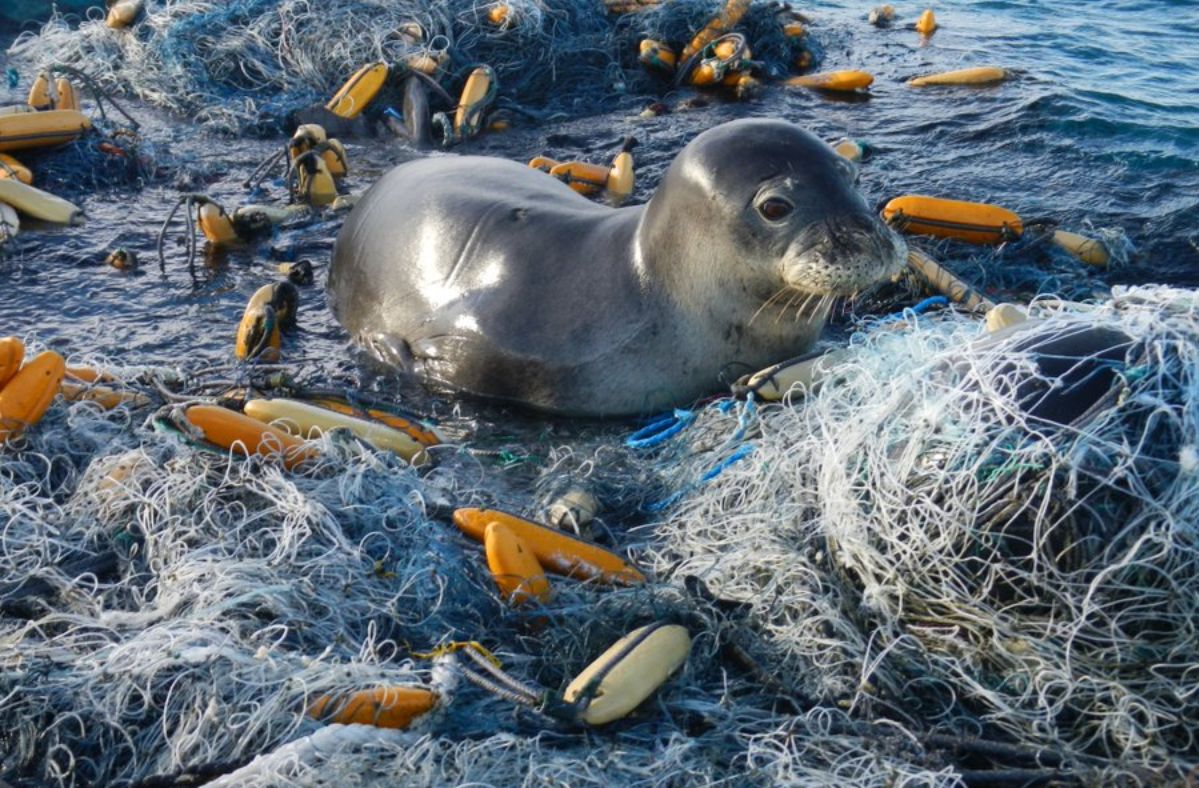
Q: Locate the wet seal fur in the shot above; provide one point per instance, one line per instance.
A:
(490, 278)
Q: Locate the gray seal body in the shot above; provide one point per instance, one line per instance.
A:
(491, 278)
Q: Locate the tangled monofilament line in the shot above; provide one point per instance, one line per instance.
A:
(901, 557)
(911, 542)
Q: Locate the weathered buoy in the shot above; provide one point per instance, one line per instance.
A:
(26, 396)
(630, 671)
(972, 222)
(981, 75)
(515, 568)
(307, 421)
(833, 80)
(243, 435)
(385, 707)
(554, 550)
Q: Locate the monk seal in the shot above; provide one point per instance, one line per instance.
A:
(490, 278)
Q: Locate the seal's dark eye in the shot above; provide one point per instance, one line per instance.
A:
(774, 209)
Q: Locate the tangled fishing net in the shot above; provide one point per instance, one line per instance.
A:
(913, 545)
(243, 65)
(901, 568)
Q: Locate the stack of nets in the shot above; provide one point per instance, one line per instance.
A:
(243, 65)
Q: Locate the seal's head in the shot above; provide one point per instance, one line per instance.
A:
(788, 206)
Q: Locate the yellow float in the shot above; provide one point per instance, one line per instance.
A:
(515, 569)
(554, 550)
(976, 223)
(11, 168)
(24, 130)
(982, 75)
(243, 435)
(359, 91)
(833, 80)
(629, 672)
(12, 353)
(926, 25)
(26, 396)
(386, 707)
(123, 13)
(306, 420)
(37, 203)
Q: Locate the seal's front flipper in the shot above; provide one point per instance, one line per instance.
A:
(391, 350)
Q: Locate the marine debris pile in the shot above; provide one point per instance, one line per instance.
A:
(245, 65)
(960, 550)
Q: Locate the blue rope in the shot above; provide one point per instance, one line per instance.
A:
(741, 453)
(661, 430)
(672, 425)
(917, 309)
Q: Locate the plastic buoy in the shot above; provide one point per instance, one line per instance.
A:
(474, 94)
(657, 56)
(11, 168)
(716, 27)
(216, 225)
(629, 672)
(359, 91)
(946, 283)
(67, 98)
(972, 222)
(305, 420)
(386, 707)
(106, 398)
(243, 435)
(41, 205)
(27, 395)
(554, 550)
(515, 569)
(23, 130)
(849, 149)
(426, 436)
(927, 23)
(881, 16)
(1002, 316)
(123, 13)
(12, 353)
(982, 75)
(833, 80)
(41, 93)
(1087, 250)
(807, 372)
(499, 14)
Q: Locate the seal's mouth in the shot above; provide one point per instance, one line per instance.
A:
(842, 256)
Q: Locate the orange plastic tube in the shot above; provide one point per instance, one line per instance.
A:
(25, 398)
(12, 353)
(243, 435)
(515, 569)
(554, 550)
(385, 707)
(972, 222)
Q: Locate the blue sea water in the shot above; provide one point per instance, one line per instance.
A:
(1098, 129)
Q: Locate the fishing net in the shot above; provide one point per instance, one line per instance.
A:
(244, 65)
(915, 543)
(877, 578)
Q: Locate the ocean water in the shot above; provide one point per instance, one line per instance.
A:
(1098, 130)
